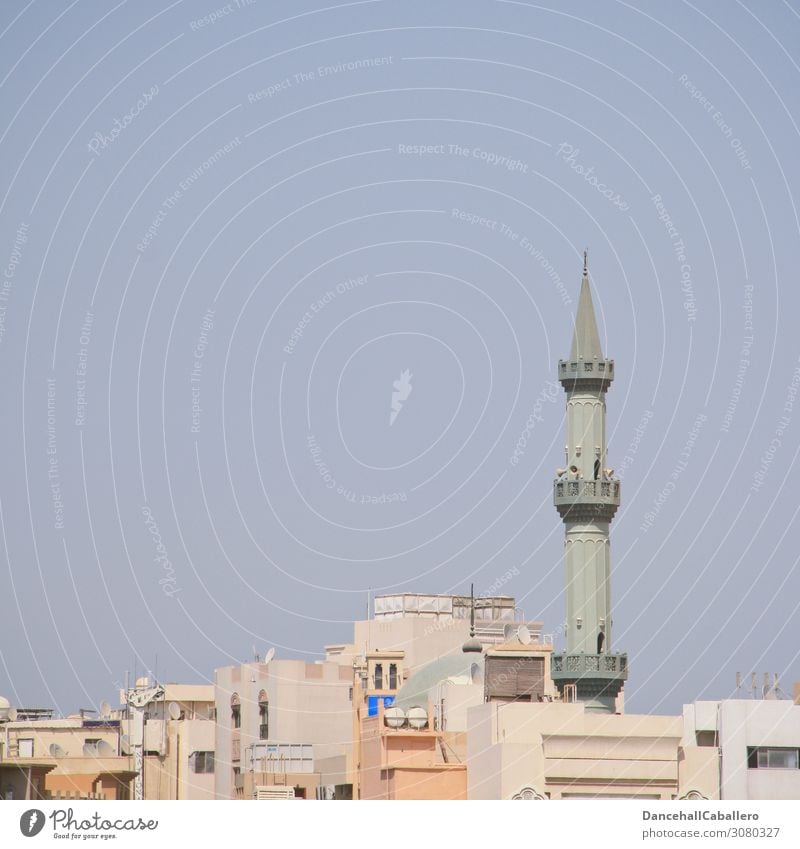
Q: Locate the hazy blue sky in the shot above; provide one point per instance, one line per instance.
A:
(227, 230)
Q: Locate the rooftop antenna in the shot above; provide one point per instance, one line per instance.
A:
(753, 685)
(586, 263)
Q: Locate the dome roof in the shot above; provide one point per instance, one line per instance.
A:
(456, 665)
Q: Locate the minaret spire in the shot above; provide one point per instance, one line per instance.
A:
(586, 339)
(587, 497)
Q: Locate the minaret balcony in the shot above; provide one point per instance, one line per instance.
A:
(573, 373)
(582, 500)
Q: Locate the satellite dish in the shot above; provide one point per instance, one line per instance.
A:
(105, 749)
(394, 717)
(125, 744)
(105, 710)
(524, 635)
(12, 714)
(90, 750)
(269, 655)
(417, 718)
(56, 751)
(174, 710)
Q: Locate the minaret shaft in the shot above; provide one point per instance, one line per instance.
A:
(588, 569)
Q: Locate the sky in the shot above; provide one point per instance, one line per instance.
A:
(284, 290)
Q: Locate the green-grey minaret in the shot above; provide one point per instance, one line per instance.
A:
(586, 497)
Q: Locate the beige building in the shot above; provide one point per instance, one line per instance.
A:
(45, 757)
(177, 738)
(283, 702)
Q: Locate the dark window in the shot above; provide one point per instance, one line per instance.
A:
(236, 711)
(392, 676)
(378, 676)
(201, 762)
(263, 716)
(772, 757)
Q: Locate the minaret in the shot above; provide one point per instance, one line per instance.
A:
(586, 497)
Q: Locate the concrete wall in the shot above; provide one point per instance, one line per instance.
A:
(559, 751)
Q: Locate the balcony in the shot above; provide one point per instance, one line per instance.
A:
(586, 499)
(566, 666)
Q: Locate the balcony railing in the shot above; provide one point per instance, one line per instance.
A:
(580, 664)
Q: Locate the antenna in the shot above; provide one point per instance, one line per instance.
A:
(255, 654)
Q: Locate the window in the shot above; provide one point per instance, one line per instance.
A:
(25, 747)
(378, 676)
(263, 715)
(236, 711)
(202, 762)
(767, 757)
(392, 676)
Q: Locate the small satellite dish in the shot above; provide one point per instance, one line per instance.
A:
(394, 717)
(524, 635)
(269, 655)
(12, 714)
(56, 751)
(105, 710)
(105, 749)
(417, 718)
(475, 673)
(125, 744)
(90, 750)
(174, 710)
